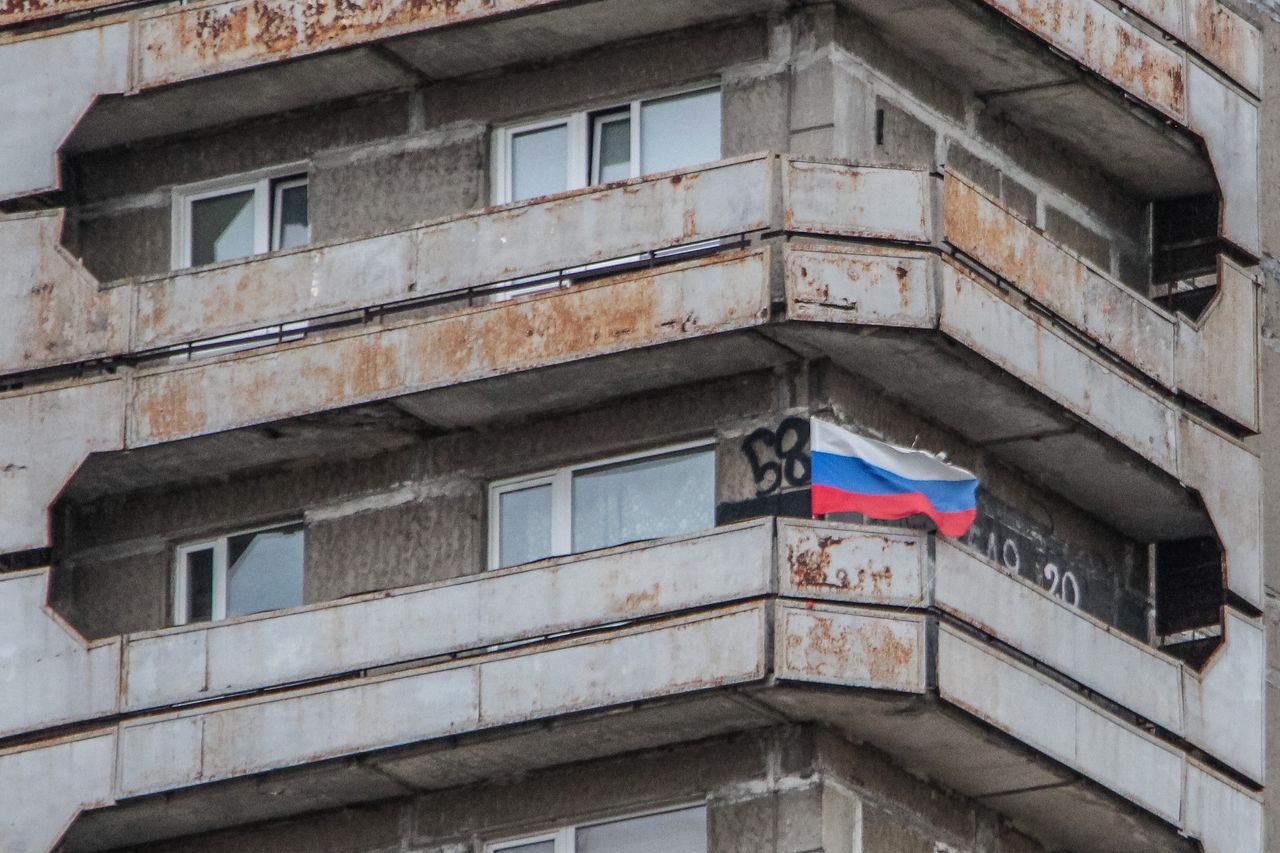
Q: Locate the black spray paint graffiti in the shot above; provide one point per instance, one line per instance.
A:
(779, 457)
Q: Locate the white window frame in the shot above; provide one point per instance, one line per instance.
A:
(565, 837)
(261, 183)
(278, 186)
(583, 158)
(561, 482)
(218, 592)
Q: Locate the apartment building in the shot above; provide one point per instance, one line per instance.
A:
(405, 414)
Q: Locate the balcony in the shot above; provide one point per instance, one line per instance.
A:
(990, 327)
(911, 643)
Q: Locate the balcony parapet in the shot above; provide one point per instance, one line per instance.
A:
(850, 606)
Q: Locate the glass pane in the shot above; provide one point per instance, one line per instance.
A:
(613, 161)
(644, 499)
(680, 131)
(264, 570)
(548, 846)
(222, 227)
(199, 585)
(684, 831)
(525, 519)
(539, 162)
(294, 227)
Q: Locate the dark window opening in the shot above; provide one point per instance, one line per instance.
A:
(1189, 598)
(1184, 253)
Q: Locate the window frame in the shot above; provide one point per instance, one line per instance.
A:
(262, 183)
(180, 609)
(565, 837)
(583, 148)
(561, 482)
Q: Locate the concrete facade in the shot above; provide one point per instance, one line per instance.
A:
(1030, 236)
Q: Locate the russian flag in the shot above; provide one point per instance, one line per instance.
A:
(856, 474)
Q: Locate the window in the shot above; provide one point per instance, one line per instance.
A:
(679, 831)
(237, 217)
(599, 504)
(574, 151)
(245, 572)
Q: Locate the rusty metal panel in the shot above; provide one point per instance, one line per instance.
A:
(22, 11)
(1228, 477)
(831, 644)
(1104, 42)
(630, 582)
(1229, 124)
(1223, 815)
(841, 562)
(41, 108)
(856, 201)
(721, 648)
(1227, 40)
(1100, 307)
(187, 41)
(595, 225)
(160, 754)
(1225, 705)
(1028, 346)
(47, 434)
(50, 675)
(869, 286)
(45, 786)
(653, 307)
(1217, 357)
(1060, 723)
(254, 293)
(51, 309)
(1051, 631)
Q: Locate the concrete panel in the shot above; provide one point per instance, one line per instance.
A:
(1104, 42)
(1030, 348)
(40, 109)
(1227, 40)
(253, 293)
(1100, 307)
(1225, 817)
(873, 287)
(631, 582)
(285, 731)
(1059, 723)
(854, 648)
(839, 562)
(47, 434)
(730, 198)
(1049, 630)
(855, 201)
(690, 300)
(1229, 124)
(51, 310)
(1166, 14)
(1217, 357)
(44, 787)
(21, 11)
(1229, 479)
(1225, 705)
(725, 647)
(178, 43)
(48, 675)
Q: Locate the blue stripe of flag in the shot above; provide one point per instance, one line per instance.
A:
(854, 475)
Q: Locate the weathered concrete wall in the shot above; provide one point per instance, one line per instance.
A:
(782, 790)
